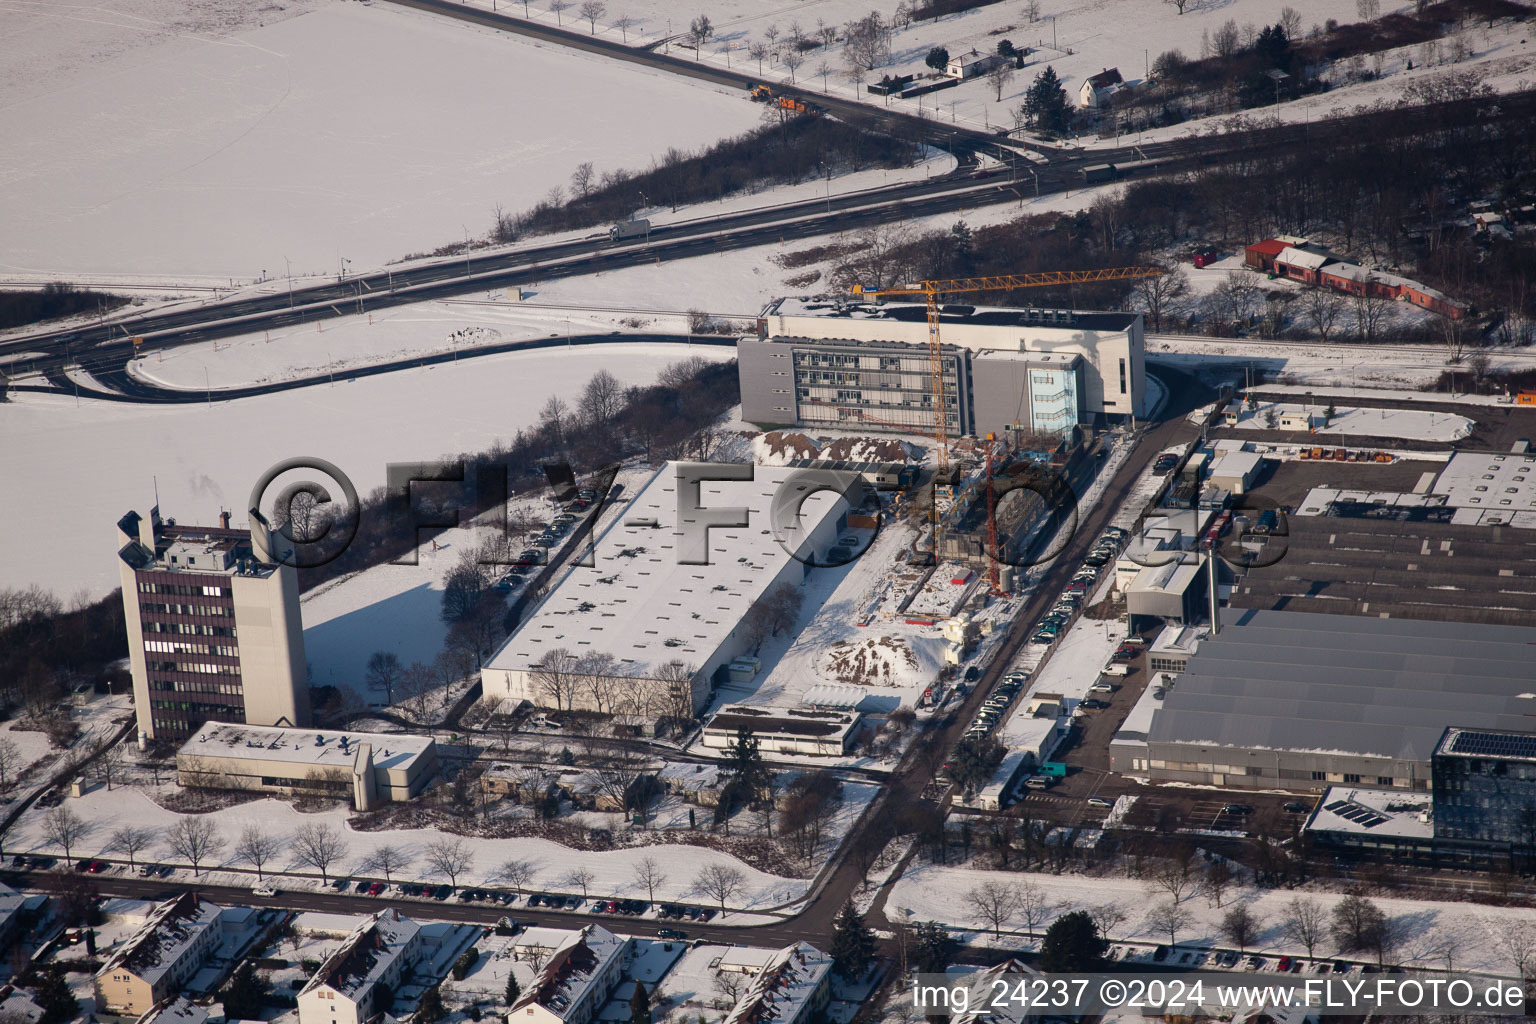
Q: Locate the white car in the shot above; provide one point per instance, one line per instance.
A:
(1101, 801)
(263, 890)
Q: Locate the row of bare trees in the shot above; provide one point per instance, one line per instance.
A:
(198, 841)
(598, 682)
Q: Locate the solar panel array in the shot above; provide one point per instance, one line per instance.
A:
(1361, 815)
(1493, 744)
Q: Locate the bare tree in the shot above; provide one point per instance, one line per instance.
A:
(195, 839)
(1217, 877)
(1355, 920)
(318, 845)
(720, 882)
(1371, 309)
(559, 7)
(383, 673)
(1515, 939)
(602, 399)
(995, 902)
(1168, 918)
(1290, 22)
(823, 69)
(1455, 336)
(1368, 10)
(581, 878)
(700, 31)
(675, 681)
(1034, 907)
(11, 763)
(1162, 296)
(1226, 40)
(108, 764)
(1238, 297)
(867, 42)
(649, 875)
(556, 678)
(256, 846)
(64, 828)
(758, 51)
(1240, 925)
(624, 23)
(387, 859)
(592, 10)
(1178, 5)
(516, 873)
(1176, 879)
(1107, 917)
(1032, 10)
(792, 60)
(581, 179)
(1304, 923)
(1322, 307)
(451, 857)
(1000, 77)
(132, 840)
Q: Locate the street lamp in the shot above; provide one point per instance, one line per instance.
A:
(287, 263)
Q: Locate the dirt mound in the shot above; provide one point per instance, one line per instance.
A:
(879, 661)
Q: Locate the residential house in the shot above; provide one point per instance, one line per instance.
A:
(965, 66)
(158, 960)
(792, 987)
(1096, 89)
(351, 985)
(576, 979)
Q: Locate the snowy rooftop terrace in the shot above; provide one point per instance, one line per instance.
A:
(362, 960)
(1374, 812)
(166, 936)
(316, 746)
(639, 602)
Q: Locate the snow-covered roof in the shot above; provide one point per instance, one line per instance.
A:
(791, 978)
(1177, 640)
(572, 968)
(1303, 258)
(1375, 812)
(365, 955)
(637, 602)
(834, 695)
(167, 935)
(179, 1010)
(973, 57)
(320, 747)
(1173, 578)
(951, 316)
(1236, 464)
(776, 722)
(1489, 480)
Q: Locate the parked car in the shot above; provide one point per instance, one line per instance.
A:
(340, 885)
(1237, 809)
(1296, 808)
(1284, 964)
(1093, 704)
(1160, 954)
(442, 892)
(670, 933)
(362, 885)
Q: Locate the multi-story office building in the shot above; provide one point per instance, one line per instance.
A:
(1030, 371)
(1485, 787)
(213, 627)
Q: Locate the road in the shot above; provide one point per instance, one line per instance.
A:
(100, 346)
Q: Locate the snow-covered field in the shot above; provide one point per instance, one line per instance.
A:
(932, 893)
(361, 132)
(95, 462)
(613, 871)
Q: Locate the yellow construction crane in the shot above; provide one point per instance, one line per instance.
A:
(931, 290)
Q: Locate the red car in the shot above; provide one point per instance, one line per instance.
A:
(1284, 964)
(375, 888)
(97, 867)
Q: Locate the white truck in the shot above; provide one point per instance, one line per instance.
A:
(1117, 669)
(629, 229)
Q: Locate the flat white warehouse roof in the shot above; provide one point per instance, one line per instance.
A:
(312, 746)
(1489, 480)
(639, 604)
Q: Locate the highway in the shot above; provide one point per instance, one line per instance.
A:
(98, 347)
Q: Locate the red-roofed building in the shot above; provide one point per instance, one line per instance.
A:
(1261, 255)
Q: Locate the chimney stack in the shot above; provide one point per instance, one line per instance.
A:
(223, 520)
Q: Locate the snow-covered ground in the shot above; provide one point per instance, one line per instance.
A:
(613, 871)
(400, 332)
(934, 893)
(1411, 424)
(1076, 37)
(99, 460)
(361, 132)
